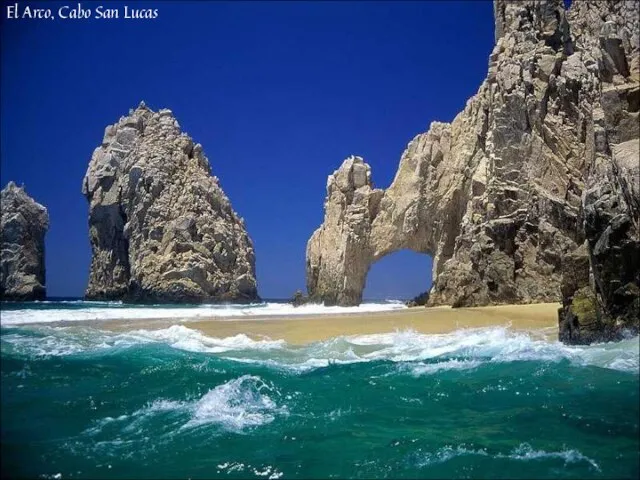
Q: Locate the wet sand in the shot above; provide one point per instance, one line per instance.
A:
(542, 319)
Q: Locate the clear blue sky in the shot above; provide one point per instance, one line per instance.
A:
(278, 93)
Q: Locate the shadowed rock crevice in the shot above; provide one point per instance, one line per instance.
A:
(502, 195)
(160, 226)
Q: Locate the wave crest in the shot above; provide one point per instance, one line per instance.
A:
(52, 312)
(416, 353)
(233, 406)
(237, 404)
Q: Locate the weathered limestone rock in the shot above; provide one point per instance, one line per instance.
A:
(337, 276)
(161, 228)
(604, 303)
(500, 196)
(24, 225)
(601, 281)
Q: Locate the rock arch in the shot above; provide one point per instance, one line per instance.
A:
(495, 197)
(364, 224)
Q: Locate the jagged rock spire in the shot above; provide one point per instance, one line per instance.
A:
(161, 228)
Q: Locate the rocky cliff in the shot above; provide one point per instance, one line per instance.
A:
(161, 228)
(540, 161)
(601, 279)
(22, 230)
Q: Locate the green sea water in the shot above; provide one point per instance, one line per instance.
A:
(485, 403)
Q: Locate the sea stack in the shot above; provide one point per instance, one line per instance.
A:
(161, 228)
(543, 161)
(22, 231)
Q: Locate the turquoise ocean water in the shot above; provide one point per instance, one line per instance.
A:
(482, 403)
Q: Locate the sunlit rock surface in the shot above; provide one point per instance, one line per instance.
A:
(22, 231)
(161, 228)
(542, 159)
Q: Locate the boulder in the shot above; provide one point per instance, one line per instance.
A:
(420, 300)
(299, 299)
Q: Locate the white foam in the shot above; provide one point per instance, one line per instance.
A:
(420, 354)
(234, 406)
(40, 346)
(524, 452)
(431, 368)
(494, 344)
(119, 311)
(446, 453)
(183, 338)
(61, 341)
(159, 405)
(268, 471)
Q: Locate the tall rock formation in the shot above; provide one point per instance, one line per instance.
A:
(540, 160)
(22, 230)
(161, 228)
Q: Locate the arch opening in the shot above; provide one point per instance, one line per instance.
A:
(399, 275)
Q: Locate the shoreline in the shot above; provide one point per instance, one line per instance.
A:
(540, 318)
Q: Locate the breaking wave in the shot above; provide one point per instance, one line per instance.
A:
(415, 353)
(48, 312)
(233, 406)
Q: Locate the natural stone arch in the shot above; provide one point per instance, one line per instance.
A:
(363, 224)
(541, 160)
(495, 196)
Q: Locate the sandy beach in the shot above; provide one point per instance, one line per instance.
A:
(539, 318)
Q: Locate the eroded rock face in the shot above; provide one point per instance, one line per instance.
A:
(601, 280)
(499, 197)
(340, 252)
(22, 230)
(161, 228)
